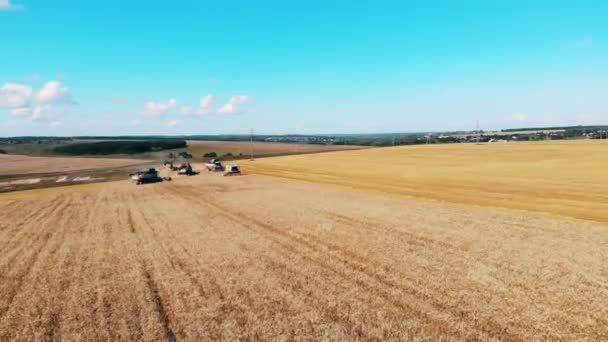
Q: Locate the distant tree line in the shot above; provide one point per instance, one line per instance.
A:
(119, 147)
(33, 140)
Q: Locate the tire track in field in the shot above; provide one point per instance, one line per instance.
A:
(152, 287)
(133, 241)
(146, 298)
(71, 264)
(327, 309)
(156, 222)
(103, 229)
(505, 270)
(249, 222)
(26, 209)
(292, 249)
(9, 209)
(29, 225)
(165, 322)
(195, 270)
(38, 245)
(42, 316)
(87, 306)
(189, 272)
(226, 308)
(385, 277)
(419, 240)
(416, 240)
(359, 266)
(124, 213)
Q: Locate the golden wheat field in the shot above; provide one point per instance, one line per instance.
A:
(567, 178)
(258, 258)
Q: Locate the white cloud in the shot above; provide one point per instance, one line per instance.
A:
(233, 105)
(56, 124)
(7, 5)
(152, 108)
(206, 104)
(135, 123)
(36, 113)
(186, 110)
(53, 92)
(586, 42)
(171, 123)
(14, 95)
(21, 111)
(43, 105)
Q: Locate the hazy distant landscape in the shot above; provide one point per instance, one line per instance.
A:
(424, 236)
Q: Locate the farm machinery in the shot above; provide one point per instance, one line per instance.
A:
(232, 170)
(186, 169)
(147, 176)
(214, 165)
(169, 164)
(182, 169)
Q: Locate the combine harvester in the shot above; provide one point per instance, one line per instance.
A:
(169, 164)
(214, 165)
(186, 169)
(147, 176)
(232, 170)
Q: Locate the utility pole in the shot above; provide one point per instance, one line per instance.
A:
(251, 143)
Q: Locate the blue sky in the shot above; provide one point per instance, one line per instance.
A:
(208, 67)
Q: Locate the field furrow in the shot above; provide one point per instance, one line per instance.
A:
(259, 258)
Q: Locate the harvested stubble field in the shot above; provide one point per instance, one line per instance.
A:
(242, 149)
(262, 258)
(22, 165)
(239, 149)
(566, 178)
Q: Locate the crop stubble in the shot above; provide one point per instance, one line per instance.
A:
(258, 258)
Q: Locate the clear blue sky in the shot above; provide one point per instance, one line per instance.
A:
(205, 67)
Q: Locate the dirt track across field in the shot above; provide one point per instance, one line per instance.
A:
(260, 258)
